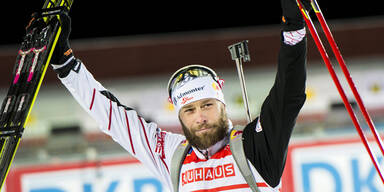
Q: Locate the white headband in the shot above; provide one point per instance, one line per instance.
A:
(196, 89)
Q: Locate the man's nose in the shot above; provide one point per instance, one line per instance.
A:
(201, 117)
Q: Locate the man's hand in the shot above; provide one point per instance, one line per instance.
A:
(34, 23)
(292, 18)
(63, 52)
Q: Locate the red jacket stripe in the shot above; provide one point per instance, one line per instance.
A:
(162, 160)
(110, 115)
(93, 98)
(230, 187)
(129, 132)
(146, 138)
(224, 188)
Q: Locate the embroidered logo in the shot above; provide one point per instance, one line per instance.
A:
(160, 144)
(181, 95)
(190, 91)
(185, 99)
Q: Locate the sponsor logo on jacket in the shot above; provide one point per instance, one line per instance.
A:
(208, 173)
(160, 137)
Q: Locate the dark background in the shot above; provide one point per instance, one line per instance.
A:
(121, 18)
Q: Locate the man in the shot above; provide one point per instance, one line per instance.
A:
(196, 92)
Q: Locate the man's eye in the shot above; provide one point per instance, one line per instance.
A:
(188, 110)
(207, 105)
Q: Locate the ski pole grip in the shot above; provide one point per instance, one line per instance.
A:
(240, 50)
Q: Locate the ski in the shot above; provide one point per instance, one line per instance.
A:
(31, 63)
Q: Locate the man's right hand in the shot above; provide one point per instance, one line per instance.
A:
(292, 18)
(63, 51)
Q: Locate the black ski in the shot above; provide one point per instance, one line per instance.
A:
(32, 60)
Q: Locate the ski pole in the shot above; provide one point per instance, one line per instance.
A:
(345, 70)
(332, 72)
(240, 51)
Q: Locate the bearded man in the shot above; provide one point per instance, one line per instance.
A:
(206, 162)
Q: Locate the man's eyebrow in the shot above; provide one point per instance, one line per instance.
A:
(207, 101)
(188, 106)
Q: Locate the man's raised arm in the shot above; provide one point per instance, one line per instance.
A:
(123, 124)
(266, 138)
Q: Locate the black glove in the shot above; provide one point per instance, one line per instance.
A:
(34, 23)
(63, 51)
(292, 17)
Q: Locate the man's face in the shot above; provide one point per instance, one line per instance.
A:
(204, 122)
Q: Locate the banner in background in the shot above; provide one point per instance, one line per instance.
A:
(107, 176)
(337, 165)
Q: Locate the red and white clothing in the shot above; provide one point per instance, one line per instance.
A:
(265, 140)
(217, 173)
(153, 147)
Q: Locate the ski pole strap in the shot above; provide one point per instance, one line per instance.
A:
(236, 146)
(177, 162)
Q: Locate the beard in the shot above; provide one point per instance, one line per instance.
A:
(217, 131)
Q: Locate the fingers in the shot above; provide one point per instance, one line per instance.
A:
(33, 23)
(65, 21)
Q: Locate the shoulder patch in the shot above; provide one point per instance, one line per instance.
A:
(258, 126)
(184, 143)
(235, 134)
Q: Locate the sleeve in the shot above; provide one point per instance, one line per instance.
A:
(266, 138)
(143, 140)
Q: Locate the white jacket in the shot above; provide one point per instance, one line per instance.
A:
(153, 147)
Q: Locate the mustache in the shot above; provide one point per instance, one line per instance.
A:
(206, 125)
